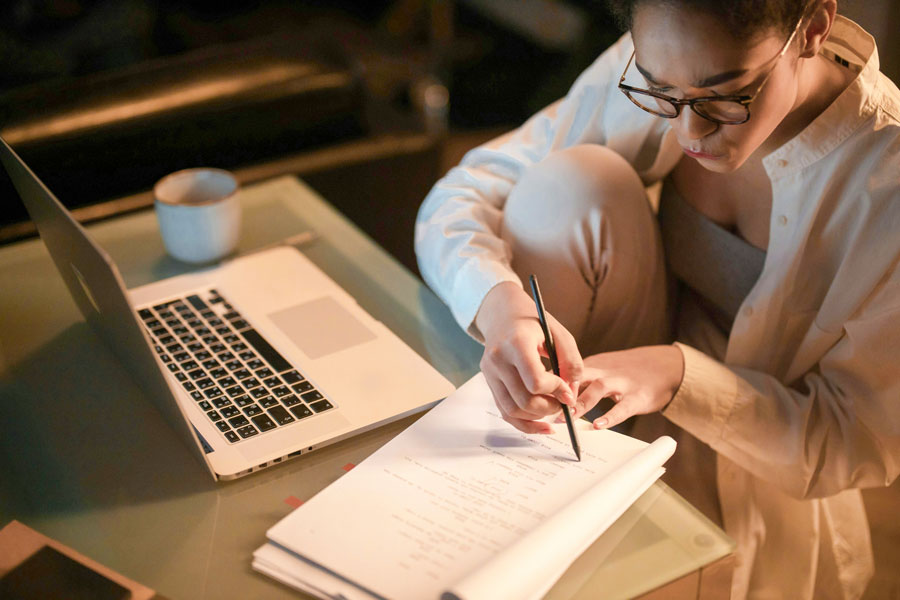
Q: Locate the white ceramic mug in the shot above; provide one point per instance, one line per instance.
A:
(199, 214)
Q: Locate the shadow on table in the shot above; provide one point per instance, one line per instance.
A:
(77, 431)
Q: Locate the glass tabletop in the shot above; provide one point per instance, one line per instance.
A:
(86, 460)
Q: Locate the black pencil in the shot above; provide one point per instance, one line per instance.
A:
(554, 362)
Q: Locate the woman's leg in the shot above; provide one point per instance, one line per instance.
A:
(580, 220)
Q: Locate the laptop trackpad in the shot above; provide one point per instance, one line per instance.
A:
(321, 327)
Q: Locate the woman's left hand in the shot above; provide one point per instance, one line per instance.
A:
(639, 380)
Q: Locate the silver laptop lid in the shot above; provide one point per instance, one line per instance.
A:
(94, 282)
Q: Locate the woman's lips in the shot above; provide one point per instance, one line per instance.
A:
(697, 154)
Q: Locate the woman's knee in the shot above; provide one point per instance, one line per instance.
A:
(570, 185)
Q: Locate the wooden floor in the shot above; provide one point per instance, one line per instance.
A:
(882, 505)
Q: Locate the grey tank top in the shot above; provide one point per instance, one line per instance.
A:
(710, 261)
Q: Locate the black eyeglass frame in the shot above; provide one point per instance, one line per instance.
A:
(677, 103)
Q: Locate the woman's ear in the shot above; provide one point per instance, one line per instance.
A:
(818, 27)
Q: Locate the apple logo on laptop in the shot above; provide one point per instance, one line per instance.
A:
(84, 287)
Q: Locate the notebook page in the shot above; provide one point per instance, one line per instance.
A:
(449, 493)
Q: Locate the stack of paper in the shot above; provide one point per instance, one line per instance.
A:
(461, 505)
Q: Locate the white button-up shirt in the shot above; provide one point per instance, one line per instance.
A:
(804, 407)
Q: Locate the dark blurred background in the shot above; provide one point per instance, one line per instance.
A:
(369, 101)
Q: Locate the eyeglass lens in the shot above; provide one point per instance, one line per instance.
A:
(725, 111)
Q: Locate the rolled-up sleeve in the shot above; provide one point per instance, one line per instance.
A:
(838, 427)
(458, 247)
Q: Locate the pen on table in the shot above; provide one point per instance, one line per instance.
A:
(554, 362)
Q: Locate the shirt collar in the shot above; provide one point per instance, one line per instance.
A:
(853, 106)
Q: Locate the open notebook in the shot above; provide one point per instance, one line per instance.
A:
(461, 505)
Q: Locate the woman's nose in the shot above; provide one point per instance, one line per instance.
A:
(693, 125)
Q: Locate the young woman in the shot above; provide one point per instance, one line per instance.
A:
(777, 143)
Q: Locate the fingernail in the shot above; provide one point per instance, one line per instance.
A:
(600, 423)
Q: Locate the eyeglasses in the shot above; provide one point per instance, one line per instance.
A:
(724, 110)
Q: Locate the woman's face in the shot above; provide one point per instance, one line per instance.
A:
(688, 54)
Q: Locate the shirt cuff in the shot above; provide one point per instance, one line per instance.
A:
(704, 399)
(472, 284)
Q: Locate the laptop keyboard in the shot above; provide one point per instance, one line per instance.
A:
(243, 384)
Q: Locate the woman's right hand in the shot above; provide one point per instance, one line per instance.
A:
(523, 389)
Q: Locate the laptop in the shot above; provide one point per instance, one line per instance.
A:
(254, 361)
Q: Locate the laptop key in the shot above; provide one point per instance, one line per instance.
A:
(197, 374)
(145, 313)
(301, 411)
(272, 356)
(197, 396)
(190, 365)
(281, 415)
(259, 392)
(263, 422)
(232, 436)
(221, 402)
(206, 406)
(303, 386)
(281, 391)
(242, 373)
(204, 383)
(181, 356)
(321, 405)
(230, 411)
(210, 364)
(271, 381)
(217, 347)
(202, 354)
(251, 383)
(243, 401)
(264, 373)
(255, 364)
(223, 426)
(253, 410)
(214, 416)
(219, 373)
(180, 376)
(226, 357)
(312, 396)
(231, 338)
(268, 402)
(248, 431)
(234, 365)
(173, 367)
(197, 302)
(238, 421)
(212, 392)
(234, 391)
(173, 348)
(292, 377)
(240, 324)
(290, 400)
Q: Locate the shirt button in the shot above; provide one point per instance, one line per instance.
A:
(782, 163)
(782, 220)
(748, 312)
